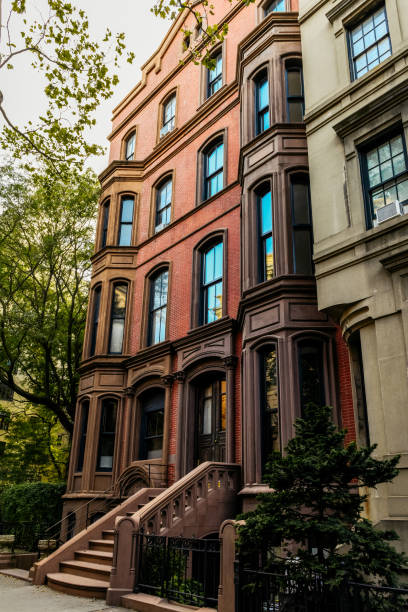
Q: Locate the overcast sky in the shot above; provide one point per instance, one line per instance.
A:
(143, 32)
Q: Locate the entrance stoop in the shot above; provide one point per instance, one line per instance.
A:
(151, 603)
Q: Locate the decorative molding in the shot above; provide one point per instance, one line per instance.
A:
(168, 380)
(395, 262)
(180, 376)
(129, 392)
(230, 362)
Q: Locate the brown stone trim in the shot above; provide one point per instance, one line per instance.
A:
(149, 353)
(223, 325)
(198, 250)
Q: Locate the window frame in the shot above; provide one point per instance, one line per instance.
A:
(83, 431)
(294, 64)
(300, 177)
(363, 150)
(204, 287)
(141, 439)
(109, 434)
(162, 114)
(260, 191)
(95, 316)
(114, 284)
(352, 26)
(128, 137)
(266, 5)
(211, 147)
(126, 223)
(105, 213)
(219, 78)
(261, 76)
(162, 182)
(153, 277)
(263, 351)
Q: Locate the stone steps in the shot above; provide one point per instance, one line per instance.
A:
(78, 585)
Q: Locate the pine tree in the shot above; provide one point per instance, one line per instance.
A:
(312, 519)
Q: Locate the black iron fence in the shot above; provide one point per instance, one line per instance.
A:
(259, 591)
(26, 534)
(185, 570)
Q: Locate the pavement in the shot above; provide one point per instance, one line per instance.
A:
(21, 596)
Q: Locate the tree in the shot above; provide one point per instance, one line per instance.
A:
(77, 77)
(314, 512)
(46, 241)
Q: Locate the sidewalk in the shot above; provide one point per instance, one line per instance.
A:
(19, 596)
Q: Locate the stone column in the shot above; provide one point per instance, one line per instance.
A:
(180, 377)
(167, 380)
(230, 365)
(125, 451)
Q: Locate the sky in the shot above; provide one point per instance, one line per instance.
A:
(144, 33)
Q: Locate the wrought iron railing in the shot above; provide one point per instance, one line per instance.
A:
(260, 591)
(26, 534)
(185, 570)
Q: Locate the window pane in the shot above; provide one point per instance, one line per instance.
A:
(127, 210)
(372, 159)
(311, 375)
(270, 406)
(116, 340)
(218, 301)
(294, 83)
(386, 170)
(390, 194)
(268, 258)
(398, 163)
(130, 147)
(300, 195)
(223, 411)
(119, 300)
(303, 252)
(218, 260)
(295, 112)
(275, 6)
(266, 213)
(125, 238)
(263, 94)
(374, 176)
(209, 266)
(377, 199)
(207, 414)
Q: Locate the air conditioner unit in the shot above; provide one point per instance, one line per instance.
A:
(389, 211)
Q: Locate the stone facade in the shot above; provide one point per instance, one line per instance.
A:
(355, 72)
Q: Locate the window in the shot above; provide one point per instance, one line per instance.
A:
(266, 255)
(118, 314)
(211, 287)
(95, 319)
(275, 6)
(294, 92)
(311, 380)
(270, 417)
(212, 419)
(213, 169)
(105, 221)
(386, 174)
(82, 434)
(163, 204)
(151, 431)
(130, 147)
(107, 431)
(261, 102)
(214, 75)
(158, 307)
(301, 226)
(369, 43)
(169, 116)
(126, 221)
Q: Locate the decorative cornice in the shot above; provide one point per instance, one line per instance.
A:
(205, 332)
(395, 262)
(103, 362)
(147, 354)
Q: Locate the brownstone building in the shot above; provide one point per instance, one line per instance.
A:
(203, 336)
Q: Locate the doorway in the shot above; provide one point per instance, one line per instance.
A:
(211, 420)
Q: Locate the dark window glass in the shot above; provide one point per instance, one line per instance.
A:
(169, 116)
(262, 103)
(95, 319)
(212, 420)
(213, 170)
(107, 435)
(301, 226)
(130, 147)
(158, 307)
(369, 43)
(294, 93)
(211, 288)
(276, 6)
(118, 318)
(311, 380)
(214, 76)
(105, 222)
(126, 222)
(386, 173)
(163, 204)
(270, 417)
(266, 254)
(151, 432)
(82, 435)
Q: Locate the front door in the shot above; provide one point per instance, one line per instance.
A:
(212, 418)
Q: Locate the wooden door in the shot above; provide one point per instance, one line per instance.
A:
(211, 421)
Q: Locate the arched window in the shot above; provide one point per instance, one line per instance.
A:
(266, 247)
(270, 415)
(118, 314)
(295, 101)
(163, 204)
(130, 146)
(213, 169)
(107, 431)
(214, 74)
(95, 319)
(168, 119)
(301, 225)
(105, 222)
(275, 6)
(126, 221)
(262, 120)
(152, 424)
(158, 307)
(82, 435)
(311, 373)
(212, 283)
